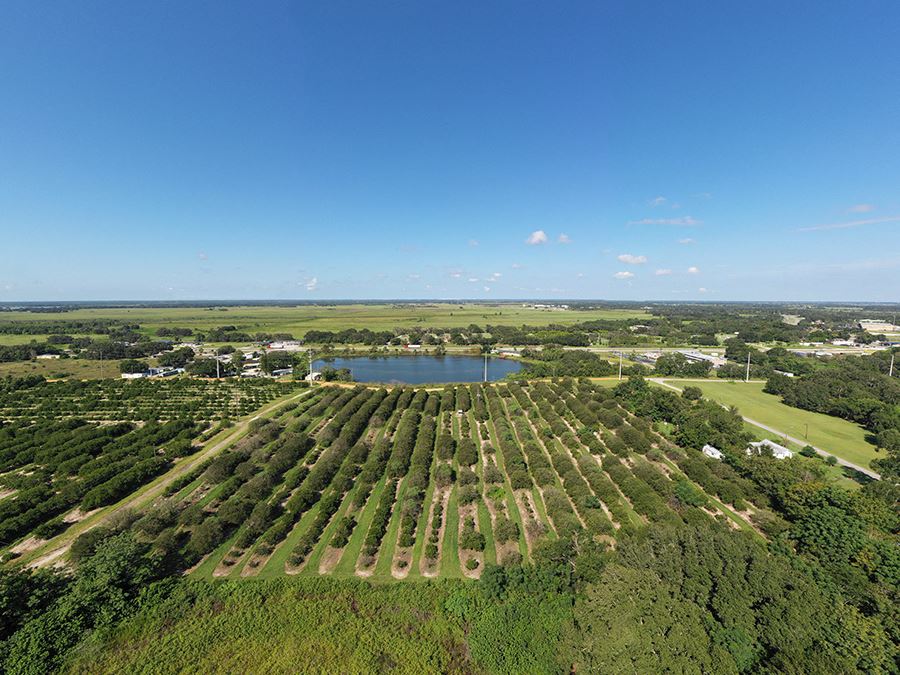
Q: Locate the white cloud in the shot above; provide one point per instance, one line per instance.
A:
(202, 256)
(657, 201)
(495, 276)
(311, 284)
(456, 275)
(686, 221)
(663, 273)
(861, 208)
(852, 223)
(623, 275)
(685, 241)
(564, 239)
(473, 243)
(580, 275)
(536, 237)
(693, 270)
(629, 259)
(473, 280)
(517, 266)
(414, 276)
(701, 290)
(487, 289)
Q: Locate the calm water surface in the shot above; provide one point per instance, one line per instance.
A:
(422, 369)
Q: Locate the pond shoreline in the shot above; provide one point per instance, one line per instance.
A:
(421, 368)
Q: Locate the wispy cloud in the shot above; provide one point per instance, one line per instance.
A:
(629, 259)
(311, 284)
(685, 221)
(495, 276)
(536, 237)
(685, 241)
(701, 290)
(473, 280)
(861, 208)
(473, 243)
(202, 256)
(693, 270)
(517, 266)
(850, 224)
(862, 265)
(623, 275)
(564, 239)
(663, 273)
(657, 201)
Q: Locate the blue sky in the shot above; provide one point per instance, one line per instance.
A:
(647, 150)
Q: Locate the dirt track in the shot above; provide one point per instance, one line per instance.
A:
(51, 552)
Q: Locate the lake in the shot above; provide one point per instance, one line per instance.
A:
(421, 369)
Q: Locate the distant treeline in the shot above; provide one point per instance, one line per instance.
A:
(94, 326)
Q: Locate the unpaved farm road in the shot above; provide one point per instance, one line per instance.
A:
(824, 453)
(54, 549)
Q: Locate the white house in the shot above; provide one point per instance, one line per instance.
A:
(710, 451)
(778, 451)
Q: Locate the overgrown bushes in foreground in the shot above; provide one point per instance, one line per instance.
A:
(671, 598)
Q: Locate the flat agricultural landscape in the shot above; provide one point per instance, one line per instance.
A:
(407, 483)
(840, 437)
(300, 318)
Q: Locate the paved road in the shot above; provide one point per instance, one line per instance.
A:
(50, 552)
(824, 453)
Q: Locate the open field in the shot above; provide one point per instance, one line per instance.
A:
(81, 369)
(25, 338)
(299, 319)
(842, 438)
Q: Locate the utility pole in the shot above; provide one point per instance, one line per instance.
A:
(748, 366)
(891, 371)
(485, 367)
(620, 365)
(217, 367)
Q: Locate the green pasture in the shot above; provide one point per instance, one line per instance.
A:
(840, 437)
(301, 318)
(82, 369)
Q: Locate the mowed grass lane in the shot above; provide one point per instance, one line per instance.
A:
(840, 437)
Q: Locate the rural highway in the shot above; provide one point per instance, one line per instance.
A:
(50, 552)
(824, 453)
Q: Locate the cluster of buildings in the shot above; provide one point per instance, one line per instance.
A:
(557, 308)
(762, 447)
(715, 359)
(153, 372)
